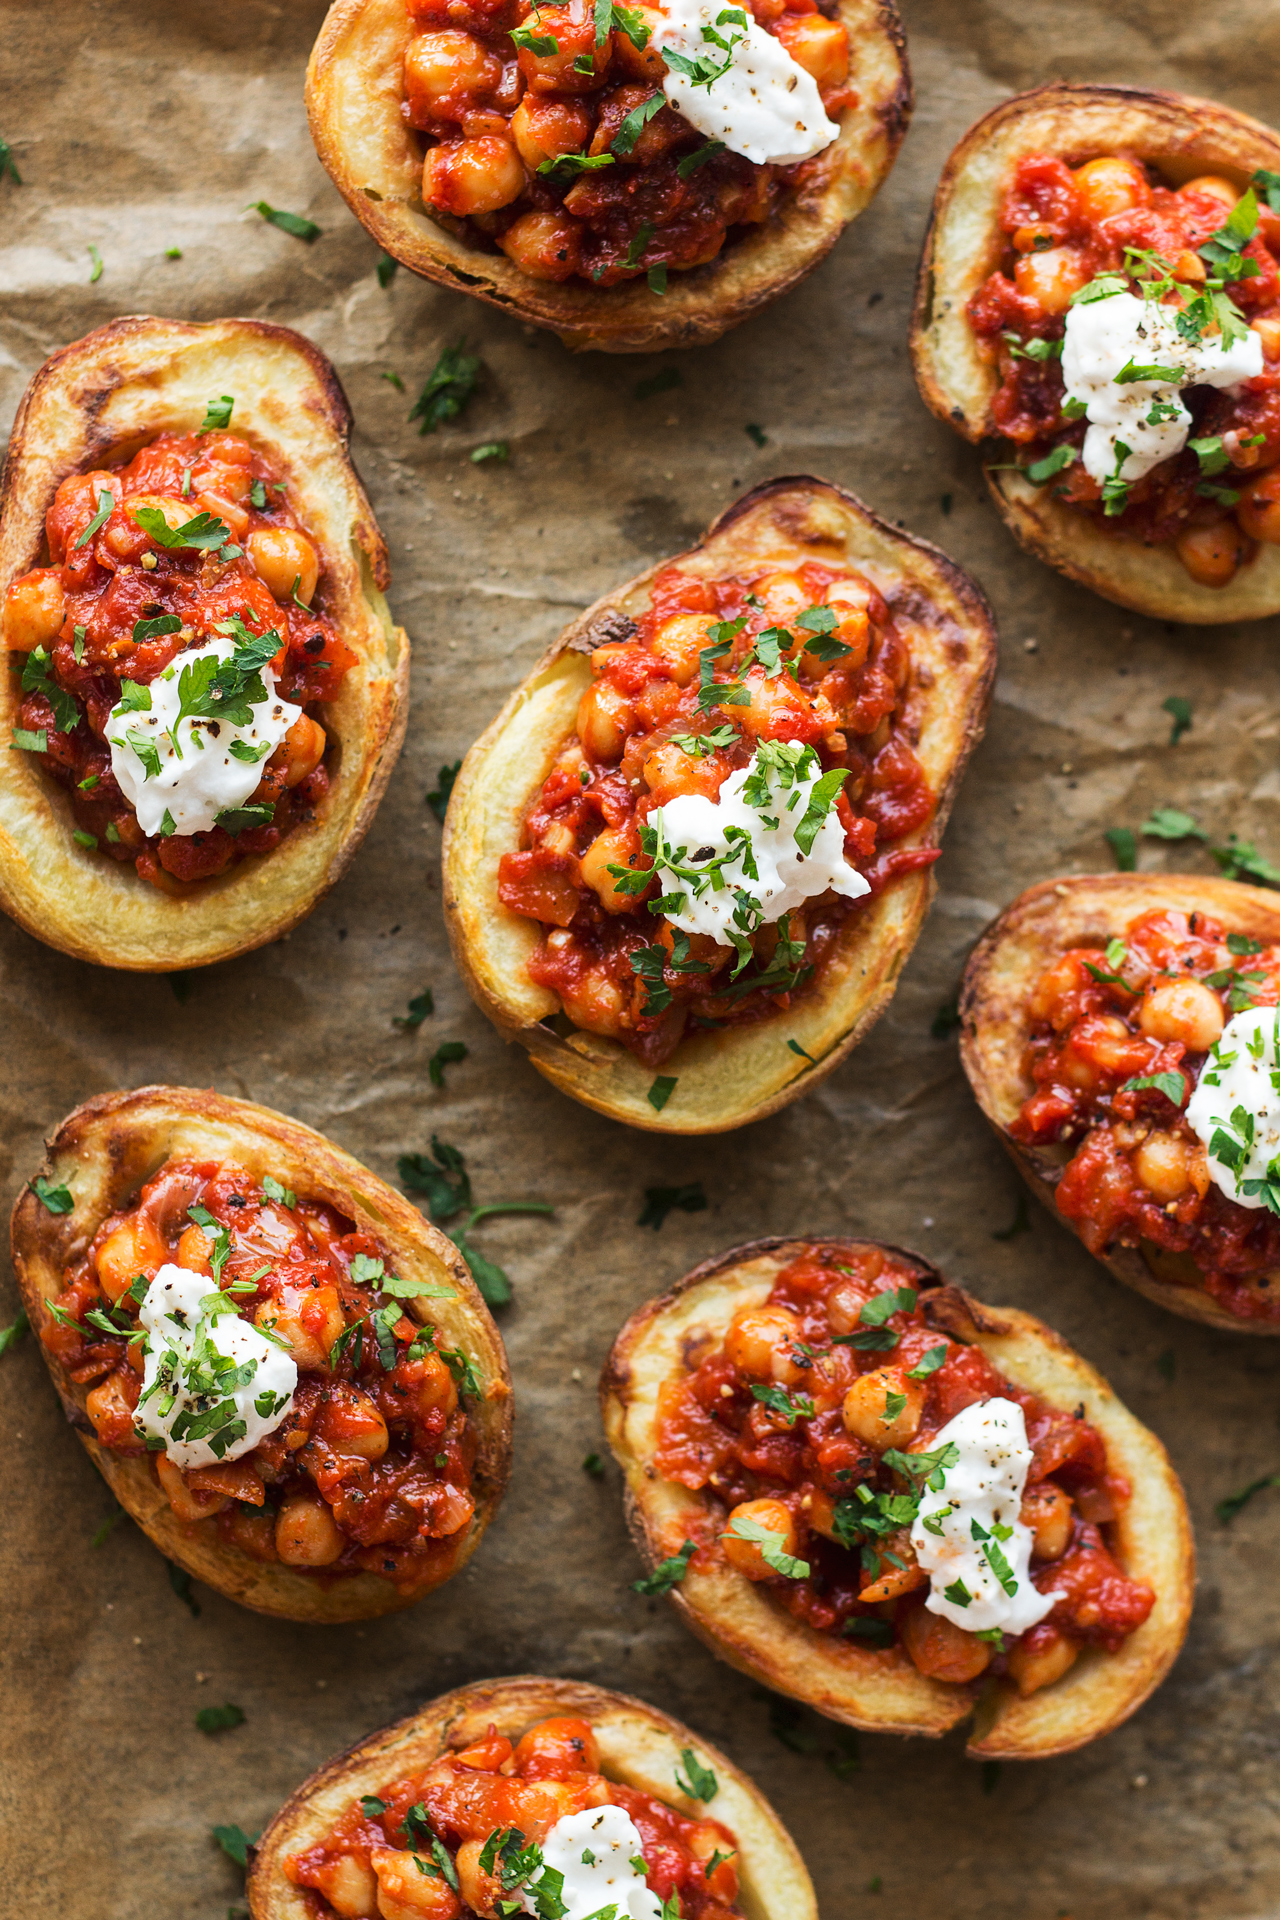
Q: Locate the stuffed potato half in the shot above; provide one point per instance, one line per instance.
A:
(926, 693)
(1029, 1699)
(297, 1518)
(636, 1745)
(355, 85)
(1051, 1050)
(149, 413)
(1174, 561)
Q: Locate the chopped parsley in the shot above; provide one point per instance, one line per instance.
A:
(421, 1007)
(438, 798)
(700, 1782)
(217, 417)
(668, 1573)
(290, 223)
(219, 1719)
(200, 534)
(660, 1201)
(448, 1053)
(450, 385)
(57, 1199)
(772, 1549)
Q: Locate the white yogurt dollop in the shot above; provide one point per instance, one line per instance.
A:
(1105, 336)
(785, 876)
(206, 777)
(594, 1850)
(974, 1522)
(1235, 1109)
(765, 106)
(187, 1348)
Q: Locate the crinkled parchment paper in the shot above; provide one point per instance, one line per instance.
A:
(142, 126)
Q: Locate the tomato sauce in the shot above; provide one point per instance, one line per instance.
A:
(766, 1424)
(1061, 228)
(377, 1443)
(87, 621)
(491, 1788)
(1135, 1171)
(542, 140)
(854, 709)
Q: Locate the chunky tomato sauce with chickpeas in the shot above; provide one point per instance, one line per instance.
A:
(77, 621)
(1062, 227)
(1137, 1172)
(364, 1868)
(371, 1468)
(856, 710)
(499, 114)
(787, 1427)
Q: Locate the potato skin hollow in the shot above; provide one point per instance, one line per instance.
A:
(1183, 137)
(1004, 968)
(115, 391)
(881, 1689)
(354, 88)
(725, 1078)
(637, 1745)
(105, 1150)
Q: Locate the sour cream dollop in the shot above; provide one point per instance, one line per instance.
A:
(1241, 1071)
(765, 802)
(206, 777)
(1105, 336)
(765, 106)
(976, 1517)
(193, 1330)
(594, 1850)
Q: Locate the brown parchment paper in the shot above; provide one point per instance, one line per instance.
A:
(144, 124)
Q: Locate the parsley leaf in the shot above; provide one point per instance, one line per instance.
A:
(219, 1719)
(1179, 709)
(443, 1178)
(668, 1573)
(56, 1199)
(106, 504)
(634, 125)
(451, 383)
(772, 1551)
(660, 1201)
(290, 223)
(36, 679)
(421, 1007)
(217, 416)
(692, 161)
(1227, 1509)
(1172, 1085)
(10, 1335)
(445, 1055)
(438, 798)
(661, 1091)
(202, 533)
(235, 1843)
(701, 1783)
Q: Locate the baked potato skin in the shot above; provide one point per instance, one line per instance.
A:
(1005, 965)
(107, 395)
(1184, 136)
(882, 1691)
(639, 1746)
(731, 1077)
(104, 1150)
(353, 100)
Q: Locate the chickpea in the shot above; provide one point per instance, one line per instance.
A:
(669, 771)
(819, 45)
(744, 1556)
(1050, 278)
(1183, 1010)
(1033, 1667)
(194, 1251)
(1213, 183)
(1268, 331)
(186, 1504)
(1213, 555)
(134, 1247)
(561, 1745)
(575, 40)
(940, 1649)
(678, 642)
(1103, 1046)
(613, 847)
(307, 1535)
(604, 720)
(1050, 997)
(301, 750)
(1046, 1509)
(176, 512)
(209, 501)
(1163, 1164)
(437, 1388)
(350, 1887)
(1110, 185)
(545, 246)
(473, 176)
(310, 1319)
(760, 1342)
(595, 1003)
(641, 63)
(406, 1894)
(544, 129)
(1259, 508)
(478, 1888)
(866, 1412)
(351, 1424)
(34, 610)
(891, 1582)
(440, 67)
(279, 556)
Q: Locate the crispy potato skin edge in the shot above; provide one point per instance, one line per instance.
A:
(104, 1150)
(1183, 133)
(110, 393)
(728, 1079)
(353, 95)
(882, 1692)
(640, 1746)
(1003, 967)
